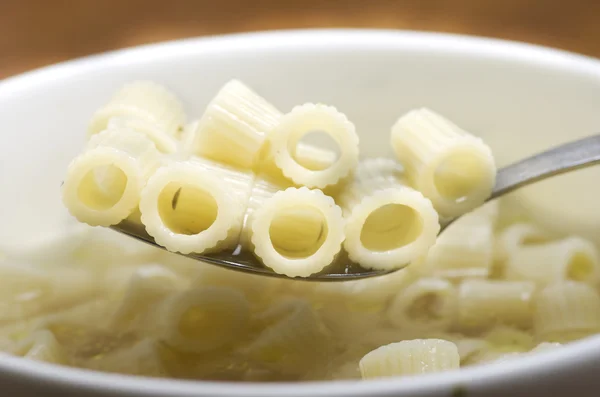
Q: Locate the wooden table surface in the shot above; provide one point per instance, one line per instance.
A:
(34, 33)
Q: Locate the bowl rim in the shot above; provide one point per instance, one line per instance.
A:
(517, 372)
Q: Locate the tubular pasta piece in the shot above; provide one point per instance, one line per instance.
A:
(426, 304)
(572, 258)
(513, 237)
(234, 126)
(103, 184)
(485, 303)
(164, 142)
(284, 139)
(410, 357)
(465, 249)
(143, 100)
(196, 206)
(451, 167)
(203, 319)
(297, 232)
(566, 311)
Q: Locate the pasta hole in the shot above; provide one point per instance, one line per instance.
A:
(580, 267)
(187, 209)
(459, 175)
(391, 226)
(298, 232)
(316, 151)
(102, 187)
(427, 307)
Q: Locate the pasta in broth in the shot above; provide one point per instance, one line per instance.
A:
(492, 287)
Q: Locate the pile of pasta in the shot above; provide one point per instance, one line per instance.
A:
(241, 178)
(494, 286)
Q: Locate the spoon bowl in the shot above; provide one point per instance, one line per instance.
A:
(559, 160)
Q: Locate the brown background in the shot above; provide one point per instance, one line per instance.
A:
(34, 33)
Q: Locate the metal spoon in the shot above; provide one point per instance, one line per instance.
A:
(568, 157)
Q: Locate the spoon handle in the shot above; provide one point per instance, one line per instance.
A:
(570, 156)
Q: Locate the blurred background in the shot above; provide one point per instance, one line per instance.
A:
(35, 33)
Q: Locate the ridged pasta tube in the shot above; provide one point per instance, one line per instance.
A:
(297, 232)
(302, 120)
(203, 319)
(103, 184)
(410, 357)
(566, 311)
(291, 328)
(485, 303)
(451, 167)
(196, 205)
(164, 142)
(234, 126)
(143, 100)
(513, 237)
(465, 249)
(388, 225)
(427, 304)
(572, 258)
(264, 188)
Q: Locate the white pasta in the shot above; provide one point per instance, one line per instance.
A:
(513, 237)
(264, 188)
(163, 141)
(146, 287)
(293, 337)
(427, 304)
(203, 319)
(142, 100)
(410, 357)
(566, 311)
(43, 346)
(505, 339)
(465, 249)
(572, 258)
(142, 358)
(388, 225)
(485, 303)
(196, 206)
(502, 343)
(314, 157)
(302, 120)
(451, 167)
(234, 126)
(292, 243)
(308, 156)
(103, 184)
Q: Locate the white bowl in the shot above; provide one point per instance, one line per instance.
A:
(520, 98)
